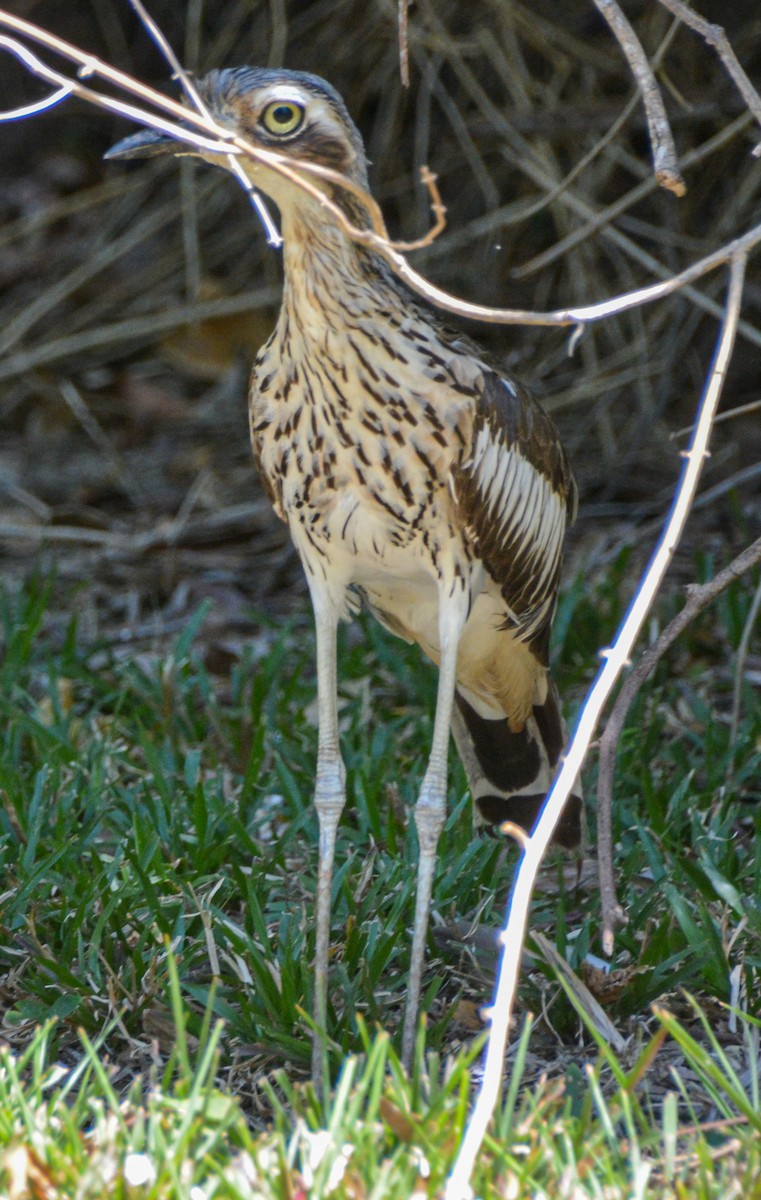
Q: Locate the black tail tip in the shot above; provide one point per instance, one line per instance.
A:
(524, 811)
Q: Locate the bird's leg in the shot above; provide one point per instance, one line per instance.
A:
(329, 800)
(430, 810)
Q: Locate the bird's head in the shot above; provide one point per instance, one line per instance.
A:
(297, 115)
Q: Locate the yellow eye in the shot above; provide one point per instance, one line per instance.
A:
(282, 117)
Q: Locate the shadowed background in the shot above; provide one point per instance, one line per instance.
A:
(133, 298)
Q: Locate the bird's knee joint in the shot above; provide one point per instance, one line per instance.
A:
(329, 800)
(330, 777)
(430, 814)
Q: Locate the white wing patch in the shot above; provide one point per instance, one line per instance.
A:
(521, 522)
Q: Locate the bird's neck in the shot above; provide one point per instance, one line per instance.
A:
(327, 275)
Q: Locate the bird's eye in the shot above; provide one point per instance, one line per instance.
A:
(282, 117)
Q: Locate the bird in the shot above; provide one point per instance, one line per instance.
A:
(416, 476)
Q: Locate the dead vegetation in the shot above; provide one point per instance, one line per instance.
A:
(132, 301)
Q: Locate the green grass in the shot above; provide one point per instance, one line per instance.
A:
(157, 858)
(67, 1132)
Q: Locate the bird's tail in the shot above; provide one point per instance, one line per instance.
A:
(509, 773)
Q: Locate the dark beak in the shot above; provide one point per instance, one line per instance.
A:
(147, 143)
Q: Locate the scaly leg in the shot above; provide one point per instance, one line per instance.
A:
(329, 800)
(430, 810)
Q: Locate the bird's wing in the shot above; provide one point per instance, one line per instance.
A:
(515, 494)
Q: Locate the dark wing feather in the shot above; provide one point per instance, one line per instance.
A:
(515, 495)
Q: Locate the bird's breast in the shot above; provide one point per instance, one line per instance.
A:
(356, 448)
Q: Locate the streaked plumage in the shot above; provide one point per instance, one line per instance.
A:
(415, 474)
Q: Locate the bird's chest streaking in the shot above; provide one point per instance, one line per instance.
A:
(356, 425)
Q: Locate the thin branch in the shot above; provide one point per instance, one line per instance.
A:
(658, 268)
(729, 414)
(699, 596)
(140, 115)
(523, 157)
(191, 239)
(665, 164)
(404, 42)
(438, 208)
(32, 110)
(596, 220)
(89, 65)
(194, 96)
(229, 142)
(742, 654)
(615, 659)
(146, 327)
(716, 37)
(178, 531)
(558, 189)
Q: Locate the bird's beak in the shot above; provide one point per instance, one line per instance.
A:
(147, 143)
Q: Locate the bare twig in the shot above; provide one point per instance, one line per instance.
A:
(230, 143)
(729, 414)
(645, 259)
(404, 43)
(88, 65)
(191, 237)
(597, 221)
(665, 163)
(130, 482)
(31, 110)
(179, 531)
(195, 98)
(438, 208)
(227, 142)
(520, 153)
(529, 210)
(742, 654)
(716, 37)
(134, 329)
(615, 659)
(699, 596)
